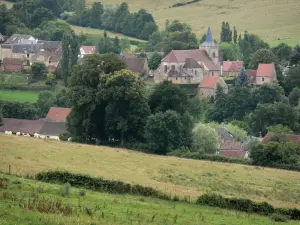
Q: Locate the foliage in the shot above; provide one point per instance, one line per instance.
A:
(127, 109)
(262, 56)
(268, 93)
(107, 44)
(237, 132)
(19, 110)
(38, 70)
(294, 96)
(166, 131)
(246, 205)
(111, 63)
(292, 79)
(65, 190)
(205, 139)
(242, 79)
(184, 3)
(98, 184)
(45, 102)
(125, 44)
(279, 218)
(154, 61)
(230, 51)
(1, 117)
(51, 79)
(280, 129)
(63, 99)
(283, 53)
(226, 33)
(295, 57)
(167, 96)
(275, 153)
(195, 107)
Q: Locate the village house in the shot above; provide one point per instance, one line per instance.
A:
(137, 65)
(190, 66)
(231, 68)
(21, 39)
(265, 73)
(87, 50)
(23, 126)
(233, 149)
(12, 65)
(57, 114)
(208, 86)
(270, 136)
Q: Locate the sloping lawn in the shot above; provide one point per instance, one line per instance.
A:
(20, 96)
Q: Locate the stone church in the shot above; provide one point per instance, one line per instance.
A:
(191, 66)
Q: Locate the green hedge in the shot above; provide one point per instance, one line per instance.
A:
(246, 205)
(25, 87)
(99, 184)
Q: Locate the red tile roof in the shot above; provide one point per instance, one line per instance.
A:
(233, 153)
(196, 54)
(290, 137)
(23, 126)
(136, 64)
(209, 82)
(231, 145)
(265, 70)
(89, 49)
(11, 61)
(232, 66)
(57, 114)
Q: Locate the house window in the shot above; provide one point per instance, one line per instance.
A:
(173, 67)
(212, 73)
(196, 72)
(262, 79)
(27, 56)
(214, 54)
(166, 68)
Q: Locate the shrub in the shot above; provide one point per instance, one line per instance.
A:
(279, 218)
(65, 190)
(82, 193)
(4, 183)
(98, 184)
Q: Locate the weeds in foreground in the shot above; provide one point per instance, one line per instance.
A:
(65, 190)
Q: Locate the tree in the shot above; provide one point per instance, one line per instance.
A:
(167, 96)
(111, 63)
(127, 110)
(18, 110)
(218, 111)
(39, 16)
(283, 53)
(292, 79)
(195, 108)
(45, 101)
(295, 57)
(154, 61)
(234, 35)
(79, 6)
(226, 33)
(63, 99)
(203, 38)
(262, 56)
(38, 71)
(280, 129)
(205, 139)
(242, 79)
(239, 133)
(268, 93)
(166, 131)
(95, 15)
(294, 96)
(124, 44)
(231, 51)
(1, 117)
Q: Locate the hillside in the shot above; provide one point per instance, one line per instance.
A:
(27, 202)
(183, 177)
(271, 19)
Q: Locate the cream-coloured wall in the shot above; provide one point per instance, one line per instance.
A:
(263, 80)
(5, 53)
(206, 92)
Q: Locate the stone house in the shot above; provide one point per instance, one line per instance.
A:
(190, 66)
(137, 65)
(233, 149)
(265, 73)
(208, 86)
(87, 50)
(231, 68)
(26, 51)
(12, 65)
(21, 39)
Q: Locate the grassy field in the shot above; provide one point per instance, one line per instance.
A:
(20, 96)
(7, 3)
(176, 176)
(26, 202)
(270, 19)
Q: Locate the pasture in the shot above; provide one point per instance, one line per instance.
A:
(30, 202)
(176, 176)
(19, 96)
(273, 20)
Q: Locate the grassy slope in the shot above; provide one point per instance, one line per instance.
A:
(271, 19)
(182, 177)
(8, 4)
(111, 209)
(20, 96)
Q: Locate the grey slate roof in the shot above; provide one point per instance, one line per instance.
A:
(53, 128)
(50, 44)
(23, 126)
(209, 39)
(27, 48)
(191, 63)
(15, 38)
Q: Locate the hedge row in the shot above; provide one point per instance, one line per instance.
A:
(246, 205)
(184, 3)
(22, 87)
(99, 184)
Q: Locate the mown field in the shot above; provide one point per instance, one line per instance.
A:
(175, 176)
(25, 201)
(270, 19)
(20, 96)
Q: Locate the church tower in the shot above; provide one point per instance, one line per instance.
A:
(211, 47)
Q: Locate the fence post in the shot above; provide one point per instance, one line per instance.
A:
(9, 169)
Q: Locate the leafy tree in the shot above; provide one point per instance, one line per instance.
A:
(205, 139)
(218, 111)
(283, 53)
(111, 63)
(154, 61)
(166, 131)
(294, 96)
(230, 51)
(79, 6)
(95, 15)
(167, 96)
(262, 56)
(280, 129)
(295, 57)
(127, 110)
(38, 70)
(18, 110)
(292, 79)
(268, 93)
(242, 79)
(239, 133)
(124, 44)
(45, 101)
(63, 99)
(194, 107)
(234, 35)
(226, 33)
(203, 38)
(107, 45)
(108, 16)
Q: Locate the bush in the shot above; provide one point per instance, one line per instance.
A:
(65, 190)
(82, 193)
(19, 110)
(98, 184)
(248, 206)
(184, 3)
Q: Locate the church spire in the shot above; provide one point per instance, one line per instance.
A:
(209, 39)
